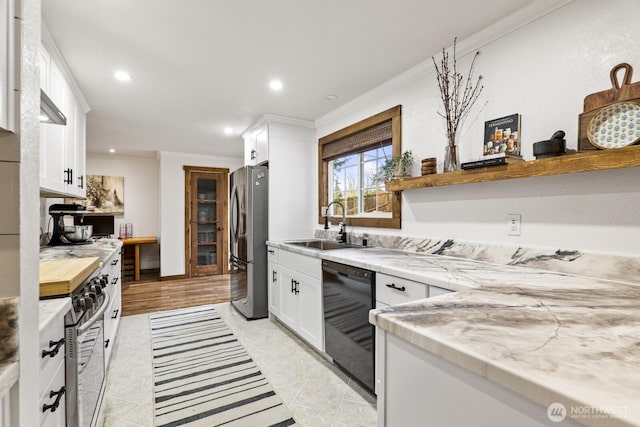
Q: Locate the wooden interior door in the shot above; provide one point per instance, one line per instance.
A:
(206, 221)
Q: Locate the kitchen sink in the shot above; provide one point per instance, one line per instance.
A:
(323, 245)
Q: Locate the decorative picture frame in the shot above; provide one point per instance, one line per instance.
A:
(105, 195)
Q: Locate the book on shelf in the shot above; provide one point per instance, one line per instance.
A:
(502, 135)
(492, 160)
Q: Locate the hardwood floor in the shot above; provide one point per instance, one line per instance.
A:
(151, 296)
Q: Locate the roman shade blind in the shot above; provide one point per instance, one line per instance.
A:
(357, 142)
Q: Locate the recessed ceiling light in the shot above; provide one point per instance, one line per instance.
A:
(331, 97)
(228, 131)
(112, 150)
(275, 85)
(122, 75)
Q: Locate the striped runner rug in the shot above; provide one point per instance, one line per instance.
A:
(202, 375)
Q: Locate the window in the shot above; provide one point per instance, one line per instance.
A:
(349, 159)
(352, 183)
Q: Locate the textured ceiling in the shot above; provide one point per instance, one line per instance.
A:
(199, 66)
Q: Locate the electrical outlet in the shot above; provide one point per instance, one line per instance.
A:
(513, 224)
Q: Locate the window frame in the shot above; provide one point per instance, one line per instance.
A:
(394, 115)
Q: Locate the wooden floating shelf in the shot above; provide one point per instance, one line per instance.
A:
(588, 161)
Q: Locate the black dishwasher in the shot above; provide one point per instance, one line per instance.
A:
(348, 293)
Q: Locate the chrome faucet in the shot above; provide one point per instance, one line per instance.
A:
(342, 234)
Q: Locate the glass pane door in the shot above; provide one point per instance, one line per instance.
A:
(207, 221)
(207, 226)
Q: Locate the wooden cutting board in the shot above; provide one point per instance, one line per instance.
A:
(62, 276)
(596, 102)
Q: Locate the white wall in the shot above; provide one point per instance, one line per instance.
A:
(542, 70)
(172, 207)
(141, 198)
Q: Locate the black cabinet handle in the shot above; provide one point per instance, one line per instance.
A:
(274, 276)
(115, 280)
(115, 262)
(115, 313)
(297, 290)
(393, 286)
(253, 154)
(67, 176)
(55, 347)
(81, 181)
(292, 286)
(54, 406)
(271, 251)
(106, 343)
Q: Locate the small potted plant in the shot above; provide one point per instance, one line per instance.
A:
(397, 167)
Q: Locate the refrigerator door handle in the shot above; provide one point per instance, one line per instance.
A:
(235, 213)
(237, 261)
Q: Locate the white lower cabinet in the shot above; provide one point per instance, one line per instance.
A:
(296, 288)
(113, 313)
(52, 373)
(52, 401)
(273, 281)
(417, 385)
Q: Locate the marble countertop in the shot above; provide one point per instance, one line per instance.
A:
(52, 309)
(552, 337)
(101, 248)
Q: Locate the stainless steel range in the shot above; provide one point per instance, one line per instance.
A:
(84, 339)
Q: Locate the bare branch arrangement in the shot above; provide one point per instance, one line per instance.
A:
(456, 99)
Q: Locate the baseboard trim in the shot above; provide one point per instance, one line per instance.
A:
(176, 277)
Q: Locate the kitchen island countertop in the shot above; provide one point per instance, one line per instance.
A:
(552, 337)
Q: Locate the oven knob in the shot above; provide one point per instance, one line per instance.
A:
(97, 289)
(104, 280)
(79, 304)
(91, 296)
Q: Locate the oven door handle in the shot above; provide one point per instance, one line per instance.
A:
(82, 329)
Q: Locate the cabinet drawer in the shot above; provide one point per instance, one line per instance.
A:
(53, 352)
(311, 266)
(394, 290)
(434, 291)
(272, 254)
(57, 417)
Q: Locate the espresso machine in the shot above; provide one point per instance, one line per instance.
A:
(68, 235)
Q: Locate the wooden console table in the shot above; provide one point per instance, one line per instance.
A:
(136, 242)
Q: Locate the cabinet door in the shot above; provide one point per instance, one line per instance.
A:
(45, 68)
(7, 64)
(274, 288)
(288, 298)
(250, 153)
(55, 418)
(52, 142)
(262, 146)
(111, 322)
(311, 320)
(69, 109)
(81, 152)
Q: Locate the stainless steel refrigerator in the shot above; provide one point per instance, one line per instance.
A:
(249, 232)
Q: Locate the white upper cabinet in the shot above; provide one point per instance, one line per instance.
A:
(289, 148)
(62, 147)
(9, 28)
(256, 146)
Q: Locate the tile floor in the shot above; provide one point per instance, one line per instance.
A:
(317, 393)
